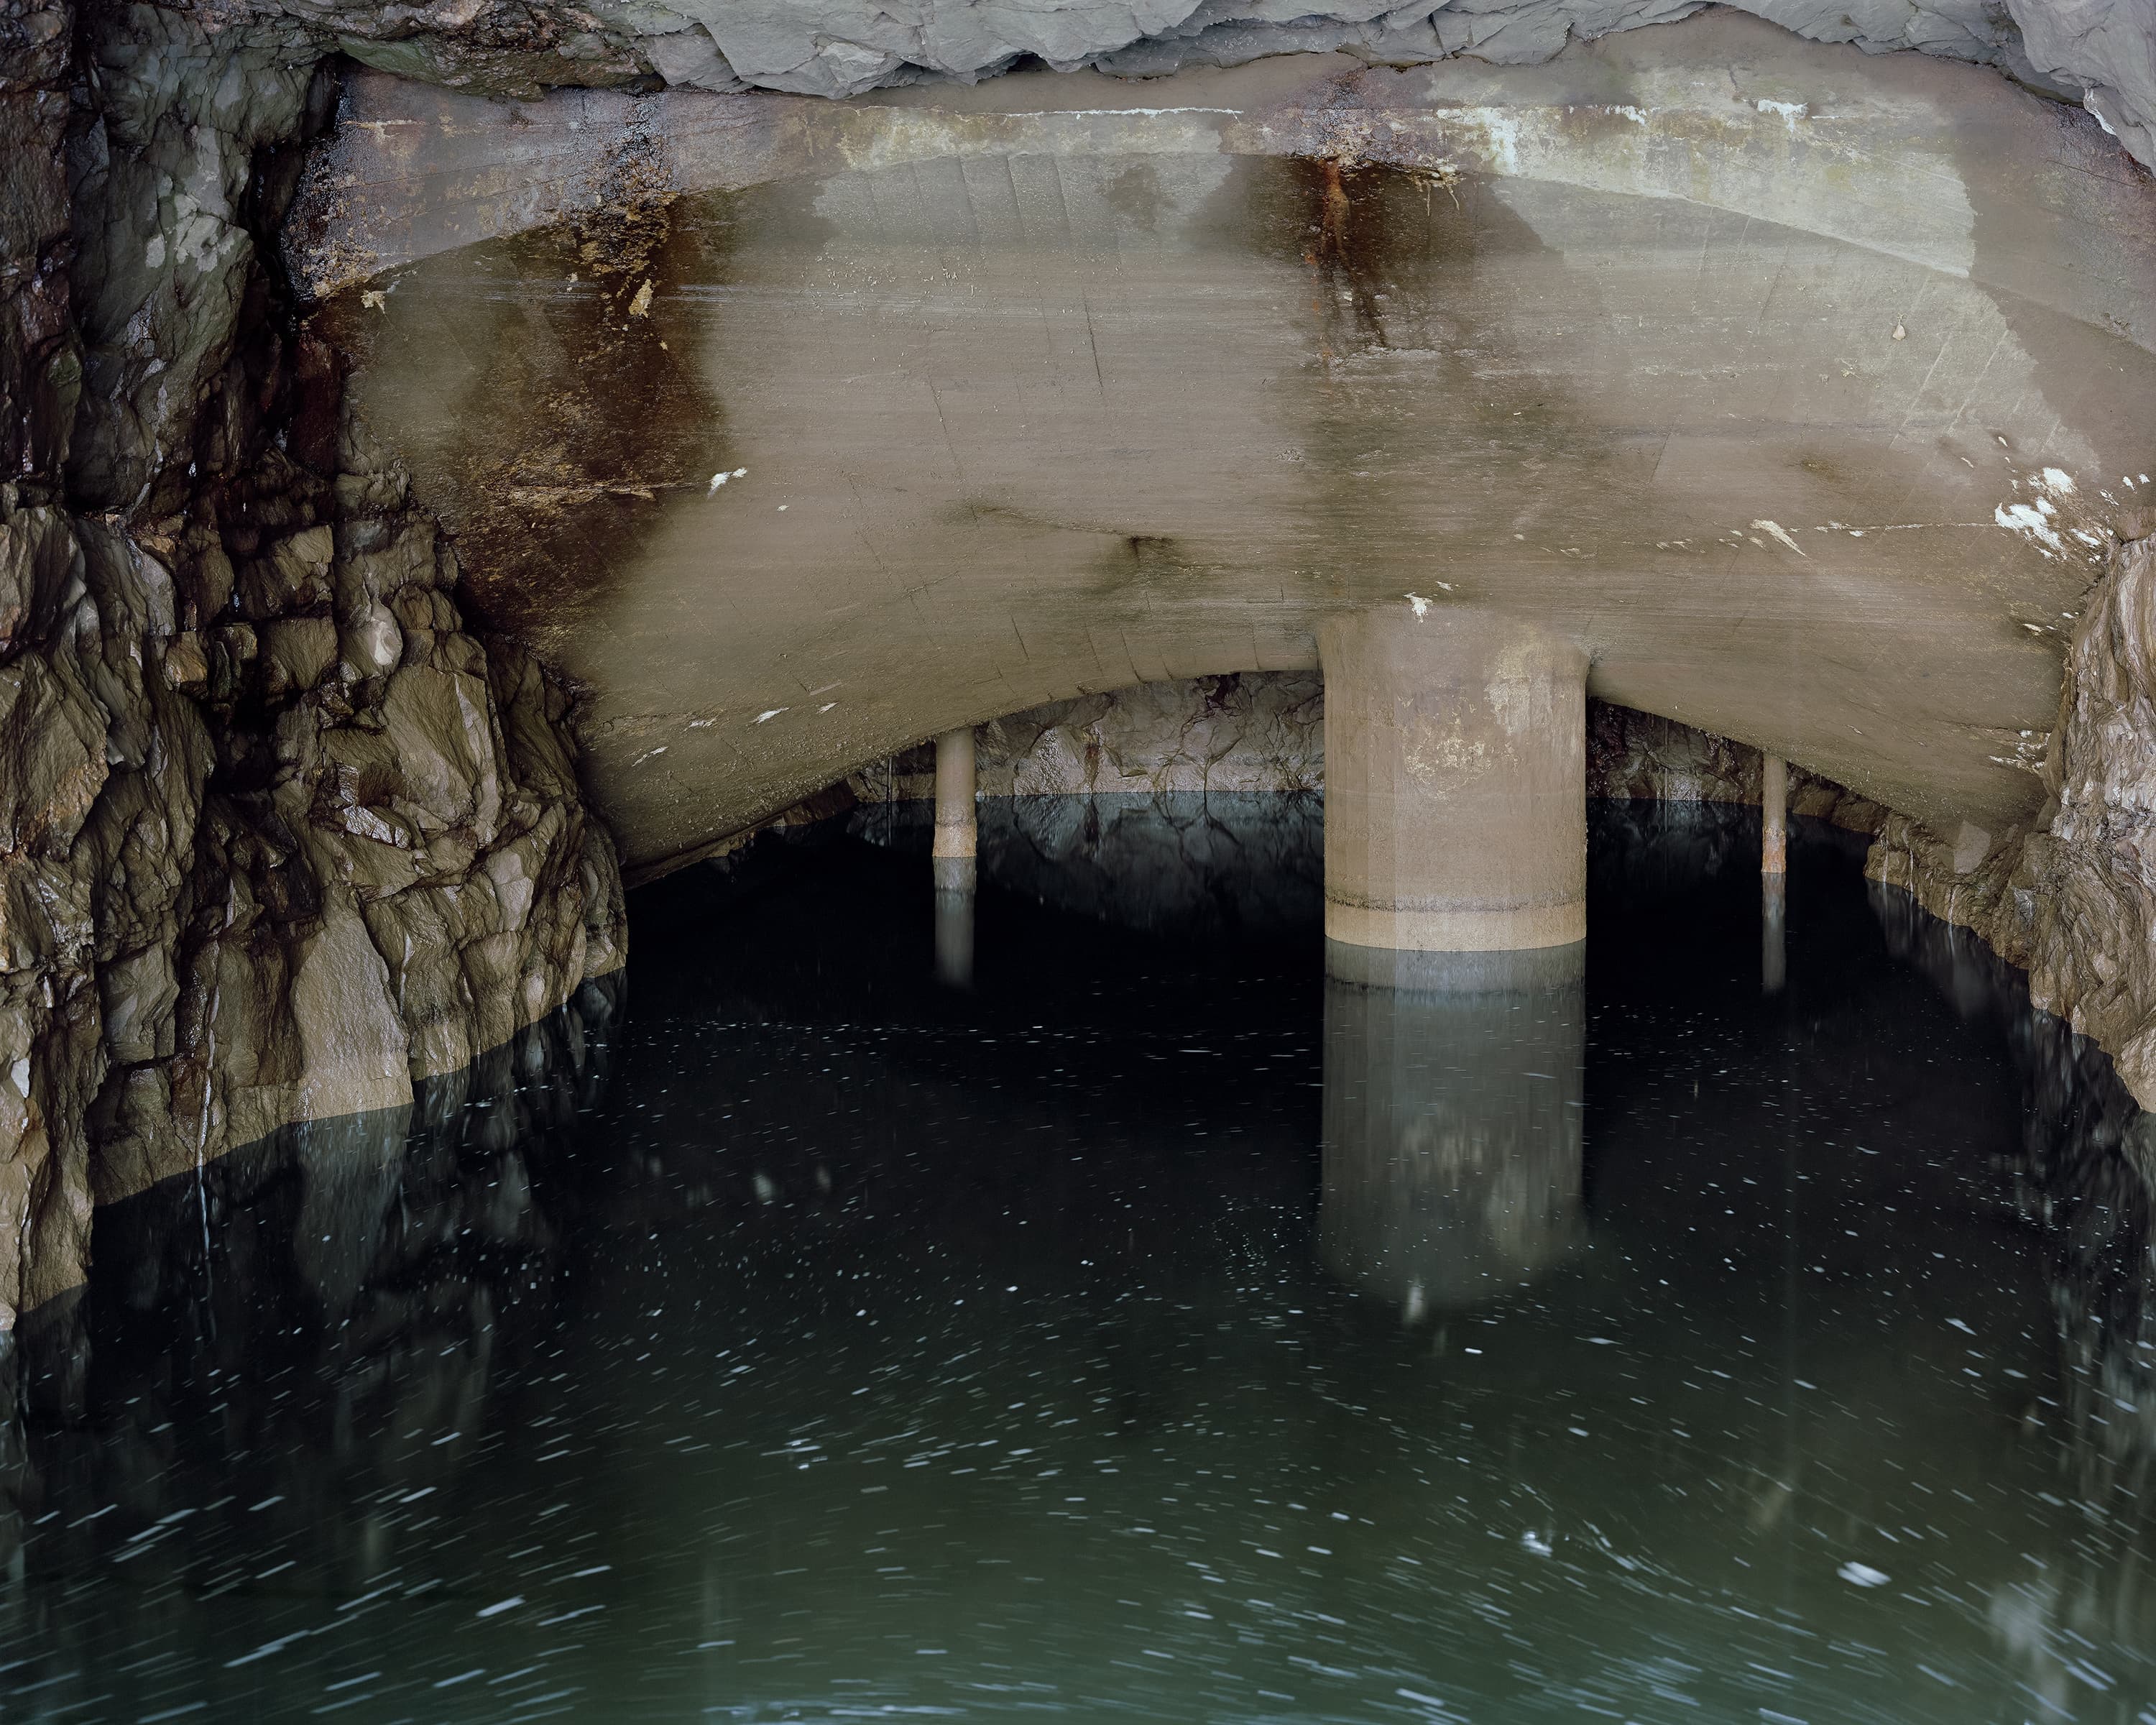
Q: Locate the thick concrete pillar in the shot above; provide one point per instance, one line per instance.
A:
(1774, 815)
(1455, 782)
(1453, 1142)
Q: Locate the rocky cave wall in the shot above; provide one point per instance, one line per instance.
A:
(278, 833)
(2071, 899)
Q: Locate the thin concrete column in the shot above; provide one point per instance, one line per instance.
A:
(1773, 872)
(957, 841)
(957, 834)
(1774, 815)
(1453, 1142)
(1455, 794)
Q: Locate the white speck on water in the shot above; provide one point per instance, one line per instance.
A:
(772, 714)
(1419, 604)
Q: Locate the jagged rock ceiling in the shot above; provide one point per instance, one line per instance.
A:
(2101, 52)
(1805, 389)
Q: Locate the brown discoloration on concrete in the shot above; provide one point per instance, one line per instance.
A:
(1060, 385)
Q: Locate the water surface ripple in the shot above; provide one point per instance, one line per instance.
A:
(1146, 1329)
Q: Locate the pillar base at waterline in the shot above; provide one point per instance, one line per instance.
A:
(960, 874)
(1507, 929)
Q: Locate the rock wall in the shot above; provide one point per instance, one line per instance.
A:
(2101, 53)
(1262, 731)
(2072, 900)
(1259, 731)
(1636, 756)
(278, 833)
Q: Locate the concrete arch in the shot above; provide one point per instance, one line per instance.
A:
(1802, 392)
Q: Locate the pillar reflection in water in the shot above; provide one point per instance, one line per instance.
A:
(1452, 1120)
(955, 879)
(1774, 925)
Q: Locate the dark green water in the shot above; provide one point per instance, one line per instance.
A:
(1148, 1330)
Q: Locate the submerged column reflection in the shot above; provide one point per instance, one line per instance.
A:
(1453, 1140)
(957, 841)
(1773, 936)
(954, 921)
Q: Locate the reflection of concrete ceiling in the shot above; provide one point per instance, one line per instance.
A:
(1726, 355)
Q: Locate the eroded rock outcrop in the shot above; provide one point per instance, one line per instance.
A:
(278, 833)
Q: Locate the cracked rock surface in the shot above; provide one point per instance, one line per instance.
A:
(2101, 53)
(278, 833)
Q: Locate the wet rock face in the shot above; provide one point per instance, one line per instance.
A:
(2072, 897)
(394, 1254)
(278, 833)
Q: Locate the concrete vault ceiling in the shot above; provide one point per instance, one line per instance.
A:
(1805, 390)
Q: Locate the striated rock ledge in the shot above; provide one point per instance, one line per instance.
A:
(278, 832)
